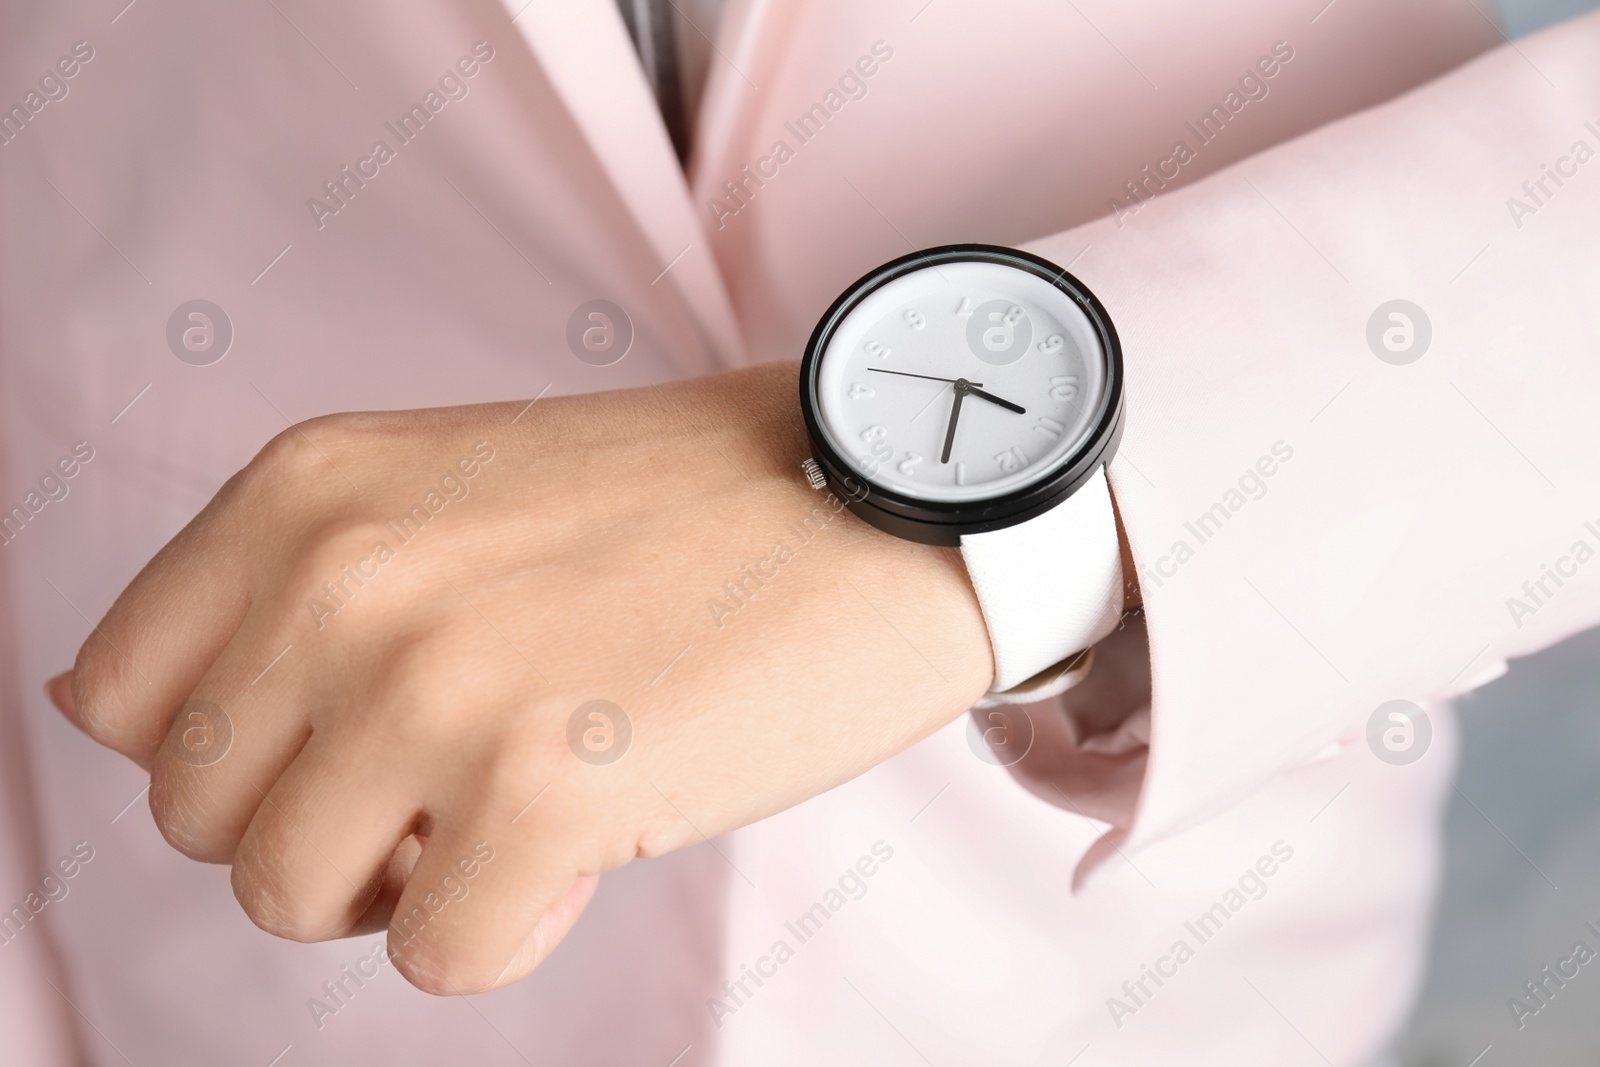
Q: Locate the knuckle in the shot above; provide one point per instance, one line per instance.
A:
(180, 814)
(289, 453)
(264, 887)
(411, 722)
(420, 969)
(276, 882)
(335, 548)
(98, 680)
(300, 453)
(514, 774)
(415, 695)
(269, 906)
(339, 567)
(438, 968)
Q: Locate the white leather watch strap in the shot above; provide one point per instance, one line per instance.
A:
(1049, 587)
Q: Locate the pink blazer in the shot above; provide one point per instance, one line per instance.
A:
(1319, 527)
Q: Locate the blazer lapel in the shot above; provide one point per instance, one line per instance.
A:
(584, 48)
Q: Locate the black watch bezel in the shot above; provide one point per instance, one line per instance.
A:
(944, 522)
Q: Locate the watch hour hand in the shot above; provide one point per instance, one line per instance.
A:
(991, 398)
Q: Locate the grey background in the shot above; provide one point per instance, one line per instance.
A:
(1519, 17)
(1530, 762)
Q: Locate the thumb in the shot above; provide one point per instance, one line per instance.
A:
(552, 927)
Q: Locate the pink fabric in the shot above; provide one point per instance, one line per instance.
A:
(179, 166)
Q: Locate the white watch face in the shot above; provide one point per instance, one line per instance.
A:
(962, 381)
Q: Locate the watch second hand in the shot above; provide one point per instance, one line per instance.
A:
(976, 388)
(908, 374)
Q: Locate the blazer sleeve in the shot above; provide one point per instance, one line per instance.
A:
(1360, 461)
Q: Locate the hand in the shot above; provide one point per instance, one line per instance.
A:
(360, 674)
(991, 398)
(925, 377)
(960, 389)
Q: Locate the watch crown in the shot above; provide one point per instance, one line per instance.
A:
(814, 475)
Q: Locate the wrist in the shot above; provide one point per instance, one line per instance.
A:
(913, 603)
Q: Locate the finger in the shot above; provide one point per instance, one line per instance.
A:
(552, 928)
(252, 710)
(548, 932)
(396, 873)
(159, 638)
(326, 840)
(246, 720)
(474, 914)
(162, 634)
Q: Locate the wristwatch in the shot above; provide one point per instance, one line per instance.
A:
(971, 395)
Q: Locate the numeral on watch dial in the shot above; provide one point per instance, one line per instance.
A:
(1063, 386)
(1012, 459)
